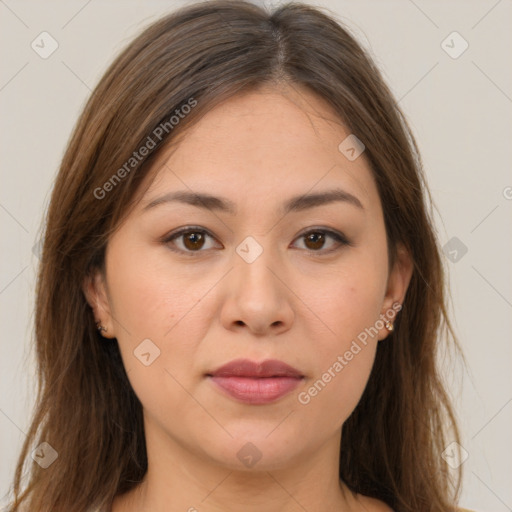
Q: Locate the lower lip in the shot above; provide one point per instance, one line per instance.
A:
(257, 391)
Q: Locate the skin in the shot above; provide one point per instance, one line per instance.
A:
(300, 302)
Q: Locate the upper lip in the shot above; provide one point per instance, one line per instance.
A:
(248, 368)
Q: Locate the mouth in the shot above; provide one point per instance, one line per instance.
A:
(256, 383)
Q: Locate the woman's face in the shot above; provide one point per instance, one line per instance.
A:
(284, 258)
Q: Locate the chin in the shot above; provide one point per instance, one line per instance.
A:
(255, 451)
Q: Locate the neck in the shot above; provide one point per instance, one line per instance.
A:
(184, 480)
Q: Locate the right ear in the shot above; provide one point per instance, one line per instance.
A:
(95, 291)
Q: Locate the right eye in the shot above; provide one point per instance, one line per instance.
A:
(188, 240)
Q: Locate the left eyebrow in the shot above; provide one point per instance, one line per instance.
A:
(294, 204)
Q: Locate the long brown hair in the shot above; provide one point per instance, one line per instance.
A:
(199, 55)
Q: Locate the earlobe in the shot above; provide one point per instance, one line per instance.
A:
(95, 292)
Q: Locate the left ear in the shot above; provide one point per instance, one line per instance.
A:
(94, 289)
(398, 282)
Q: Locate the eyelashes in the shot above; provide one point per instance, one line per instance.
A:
(191, 240)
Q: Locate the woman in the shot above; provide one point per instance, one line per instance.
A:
(241, 295)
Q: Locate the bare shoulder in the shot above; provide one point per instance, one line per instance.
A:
(372, 504)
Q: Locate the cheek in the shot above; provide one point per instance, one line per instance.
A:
(149, 307)
(147, 297)
(151, 301)
(348, 303)
(343, 360)
(330, 398)
(348, 300)
(158, 314)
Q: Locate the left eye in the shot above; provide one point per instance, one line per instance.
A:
(194, 240)
(315, 240)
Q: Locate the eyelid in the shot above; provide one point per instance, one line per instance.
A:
(338, 235)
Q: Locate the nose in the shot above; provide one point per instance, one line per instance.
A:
(257, 298)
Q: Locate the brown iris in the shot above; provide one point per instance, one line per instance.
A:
(193, 240)
(316, 240)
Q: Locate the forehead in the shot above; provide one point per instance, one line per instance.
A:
(272, 140)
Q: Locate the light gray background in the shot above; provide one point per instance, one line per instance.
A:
(459, 109)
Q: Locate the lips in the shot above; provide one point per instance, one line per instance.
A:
(256, 383)
(265, 369)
